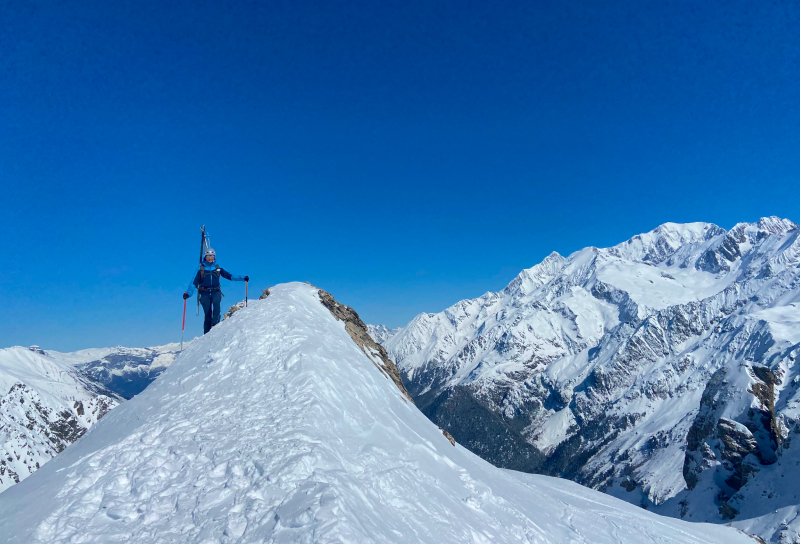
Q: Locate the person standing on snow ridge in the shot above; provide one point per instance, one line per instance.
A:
(207, 283)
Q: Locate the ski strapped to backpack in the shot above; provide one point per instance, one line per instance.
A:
(204, 245)
(202, 249)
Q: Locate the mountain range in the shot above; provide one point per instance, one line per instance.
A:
(660, 370)
(285, 424)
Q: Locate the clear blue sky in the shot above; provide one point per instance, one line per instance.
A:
(401, 154)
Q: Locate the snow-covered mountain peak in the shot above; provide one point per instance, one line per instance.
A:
(774, 225)
(532, 278)
(382, 333)
(277, 427)
(662, 242)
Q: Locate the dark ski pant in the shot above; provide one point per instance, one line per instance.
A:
(210, 301)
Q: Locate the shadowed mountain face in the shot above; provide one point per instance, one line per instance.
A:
(125, 371)
(661, 370)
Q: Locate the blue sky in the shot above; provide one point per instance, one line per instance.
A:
(402, 155)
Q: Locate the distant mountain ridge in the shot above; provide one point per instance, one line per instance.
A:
(660, 370)
(125, 371)
(382, 333)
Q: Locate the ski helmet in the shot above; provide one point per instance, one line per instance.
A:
(210, 253)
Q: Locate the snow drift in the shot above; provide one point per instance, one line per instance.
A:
(277, 427)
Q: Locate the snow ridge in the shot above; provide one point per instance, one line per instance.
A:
(277, 427)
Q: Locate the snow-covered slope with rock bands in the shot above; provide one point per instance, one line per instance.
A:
(45, 405)
(661, 370)
(277, 427)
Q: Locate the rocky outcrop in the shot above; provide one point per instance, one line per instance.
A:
(699, 455)
(763, 418)
(233, 309)
(360, 335)
(737, 442)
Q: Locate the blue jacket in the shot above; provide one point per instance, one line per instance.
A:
(210, 278)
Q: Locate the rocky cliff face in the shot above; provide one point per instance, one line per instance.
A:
(661, 370)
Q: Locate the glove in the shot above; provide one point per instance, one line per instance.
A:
(185, 296)
(247, 278)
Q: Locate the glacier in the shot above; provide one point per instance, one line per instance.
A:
(277, 427)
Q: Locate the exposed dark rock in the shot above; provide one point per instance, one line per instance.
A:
(765, 423)
(628, 309)
(727, 511)
(737, 443)
(571, 455)
(698, 455)
(716, 260)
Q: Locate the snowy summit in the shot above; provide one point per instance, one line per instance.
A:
(277, 427)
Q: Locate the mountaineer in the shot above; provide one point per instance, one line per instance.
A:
(207, 282)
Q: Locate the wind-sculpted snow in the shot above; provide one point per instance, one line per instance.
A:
(600, 361)
(277, 427)
(45, 406)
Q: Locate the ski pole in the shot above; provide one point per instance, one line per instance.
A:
(183, 325)
(245, 294)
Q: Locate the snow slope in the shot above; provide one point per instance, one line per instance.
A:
(45, 405)
(661, 370)
(276, 427)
